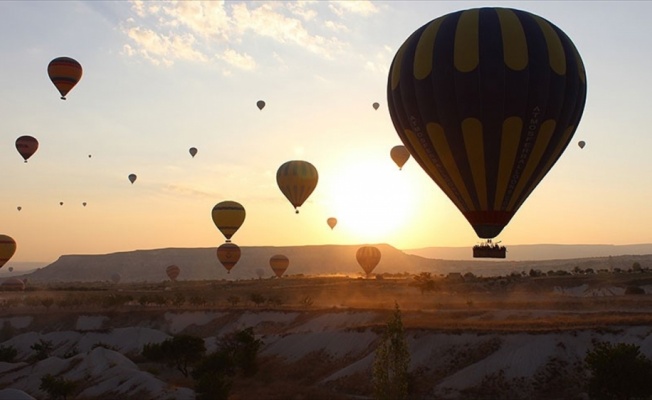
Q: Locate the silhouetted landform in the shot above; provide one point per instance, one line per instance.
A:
(202, 263)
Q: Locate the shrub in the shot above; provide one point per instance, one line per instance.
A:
(43, 348)
(618, 371)
(57, 388)
(8, 353)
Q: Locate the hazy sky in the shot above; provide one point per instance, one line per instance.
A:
(161, 77)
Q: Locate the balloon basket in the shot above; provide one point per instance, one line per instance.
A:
(489, 250)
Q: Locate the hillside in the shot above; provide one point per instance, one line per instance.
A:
(202, 264)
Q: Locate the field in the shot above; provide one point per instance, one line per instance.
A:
(320, 332)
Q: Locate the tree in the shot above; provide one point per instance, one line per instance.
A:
(181, 351)
(236, 353)
(57, 388)
(618, 372)
(390, 368)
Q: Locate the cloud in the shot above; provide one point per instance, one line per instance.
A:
(241, 61)
(360, 7)
(164, 32)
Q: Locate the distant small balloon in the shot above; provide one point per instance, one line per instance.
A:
(132, 178)
(11, 269)
(331, 222)
(61, 203)
(19, 208)
(193, 151)
(84, 204)
(89, 156)
(376, 105)
(581, 143)
(260, 104)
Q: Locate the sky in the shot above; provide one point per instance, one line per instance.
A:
(161, 77)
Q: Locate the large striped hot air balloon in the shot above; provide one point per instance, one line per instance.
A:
(228, 216)
(486, 100)
(7, 249)
(400, 155)
(26, 146)
(279, 264)
(297, 180)
(173, 272)
(228, 254)
(64, 72)
(368, 257)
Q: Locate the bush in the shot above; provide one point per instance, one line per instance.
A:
(181, 351)
(618, 371)
(43, 348)
(8, 353)
(57, 388)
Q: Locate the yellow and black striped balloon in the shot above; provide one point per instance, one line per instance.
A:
(486, 100)
(64, 72)
(228, 217)
(297, 180)
(228, 254)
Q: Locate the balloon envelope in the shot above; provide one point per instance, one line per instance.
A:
(260, 104)
(228, 216)
(228, 254)
(132, 178)
(581, 143)
(375, 106)
(19, 208)
(7, 249)
(11, 269)
(279, 264)
(64, 72)
(297, 180)
(400, 155)
(26, 146)
(115, 278)
(368, 257)
(193, 151)
(331, 222)
(486, 100)
(12, 284)
(173, 272)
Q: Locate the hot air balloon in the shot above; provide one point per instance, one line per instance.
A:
(375, 106)
(297, 180)
(400, 155)
(260, 104)
(64, 72)
(279, 264)
(581, 143)
(7, 249)
(84, 204)
(19, 208)
(193, 151)
(331, 222)
(486, 100)
(228, 254)
(26, 146)
(368, 257)
(173, 272)
(228, 217)
(61, 203)
(115, 278)
(89, 156)
(132, 178)
(12, 284)
(11, 269)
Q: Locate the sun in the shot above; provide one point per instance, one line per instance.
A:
(372, 200)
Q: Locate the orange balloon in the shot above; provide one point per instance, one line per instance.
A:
(368, 257)
(173, 272)
(229, 255)
(331, 222)
(26, 146)
(64, 72)
(279, 264)
(7, 249)
(400, 155)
